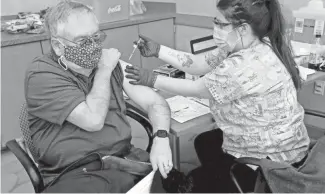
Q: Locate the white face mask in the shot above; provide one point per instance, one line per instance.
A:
(222, 39)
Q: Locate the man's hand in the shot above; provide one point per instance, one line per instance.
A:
(161, 156)
(109, 59)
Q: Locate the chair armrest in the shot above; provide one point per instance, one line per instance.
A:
(28, 165)
(143, 120)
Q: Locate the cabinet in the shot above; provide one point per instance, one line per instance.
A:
(160, 31)
(314, 103)
(14, 62)
(311, 101)
(184, 34)
(122, 39)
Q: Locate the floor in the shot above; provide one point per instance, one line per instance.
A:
(15, 179)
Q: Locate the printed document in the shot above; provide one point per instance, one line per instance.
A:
(184, 109)
(143, 186)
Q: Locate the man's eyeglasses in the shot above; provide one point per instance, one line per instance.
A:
(98, 37)
(220, 24)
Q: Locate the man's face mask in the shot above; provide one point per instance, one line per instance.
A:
(86, 56)
(86, 53)
(223, 37)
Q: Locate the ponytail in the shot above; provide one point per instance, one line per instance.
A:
(266, 19)
(280, 44)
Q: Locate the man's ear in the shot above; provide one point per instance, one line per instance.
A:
(57, 47)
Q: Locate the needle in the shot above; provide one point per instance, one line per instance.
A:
(135, 46)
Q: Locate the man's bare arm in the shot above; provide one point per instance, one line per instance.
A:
(192, 64)
(90, 115)
(155, 105)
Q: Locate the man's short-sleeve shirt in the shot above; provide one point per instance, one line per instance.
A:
(51, 94)
(255, 104)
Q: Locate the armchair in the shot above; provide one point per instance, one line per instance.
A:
(25, 151)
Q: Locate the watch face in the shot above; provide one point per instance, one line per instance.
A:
(162, 133)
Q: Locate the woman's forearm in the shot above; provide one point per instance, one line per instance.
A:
(192, 64)
(182, 87)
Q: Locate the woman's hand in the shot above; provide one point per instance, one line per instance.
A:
(147, 47)
(140, 76)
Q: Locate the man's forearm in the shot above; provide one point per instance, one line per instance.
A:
(99, 97)
(159, 114)
(194, 65)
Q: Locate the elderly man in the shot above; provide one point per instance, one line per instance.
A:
(76, 107)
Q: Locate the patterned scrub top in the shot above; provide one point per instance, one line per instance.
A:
(255, 105)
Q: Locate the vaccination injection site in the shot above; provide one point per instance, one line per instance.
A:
(162, 96)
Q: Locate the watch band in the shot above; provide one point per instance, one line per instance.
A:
(161, 134)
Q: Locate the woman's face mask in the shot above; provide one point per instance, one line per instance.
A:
(224, 39)
(86, 55)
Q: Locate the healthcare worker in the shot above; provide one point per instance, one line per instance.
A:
(251, 81)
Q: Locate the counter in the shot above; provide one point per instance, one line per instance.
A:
(155, 12)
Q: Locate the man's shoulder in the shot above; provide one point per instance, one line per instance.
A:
(43, 64)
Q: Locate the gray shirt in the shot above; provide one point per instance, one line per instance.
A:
(51, 94)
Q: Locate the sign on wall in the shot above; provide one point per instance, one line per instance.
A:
(319, 27)
(299, 25)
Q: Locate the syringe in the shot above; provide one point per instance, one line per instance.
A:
(135, 46)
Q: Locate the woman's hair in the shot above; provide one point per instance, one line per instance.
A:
(266, 20)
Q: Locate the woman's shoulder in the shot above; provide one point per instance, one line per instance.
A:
(260, 56)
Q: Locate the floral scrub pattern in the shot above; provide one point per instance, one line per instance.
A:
(255, 105)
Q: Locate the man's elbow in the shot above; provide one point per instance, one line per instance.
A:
(95, 124)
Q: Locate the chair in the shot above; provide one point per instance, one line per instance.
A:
(261, 185)
(26, 153)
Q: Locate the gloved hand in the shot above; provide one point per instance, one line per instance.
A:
(141, 76)
(147, 47)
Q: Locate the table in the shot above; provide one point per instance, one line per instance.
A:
(178, 129)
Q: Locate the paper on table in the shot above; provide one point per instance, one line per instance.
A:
(143, 186)
(184, 109)
(304, 72)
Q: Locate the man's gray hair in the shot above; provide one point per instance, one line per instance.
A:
(59, 14)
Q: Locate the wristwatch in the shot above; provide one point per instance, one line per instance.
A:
(161, 134)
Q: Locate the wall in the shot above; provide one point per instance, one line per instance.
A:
(164, 1)
(12, 7)
(192, 7)
(196, 7)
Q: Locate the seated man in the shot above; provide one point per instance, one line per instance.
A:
(75, 103)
